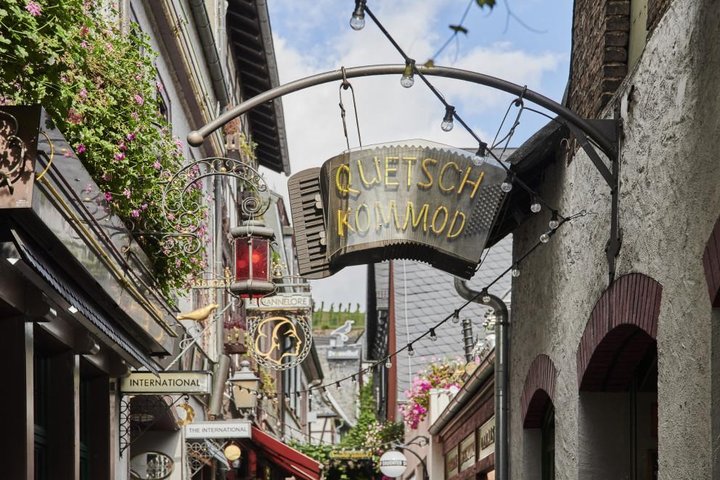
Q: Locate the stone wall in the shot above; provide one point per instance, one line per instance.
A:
(669, 202)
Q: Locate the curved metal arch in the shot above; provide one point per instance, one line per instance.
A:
(575, 122)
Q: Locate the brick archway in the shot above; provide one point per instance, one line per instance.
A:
(539, 390)
(711, 264)
(627, 312)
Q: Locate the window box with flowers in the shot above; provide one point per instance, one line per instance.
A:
(98, 85)
(445, 374)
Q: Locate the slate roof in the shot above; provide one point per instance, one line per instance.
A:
(424, 296)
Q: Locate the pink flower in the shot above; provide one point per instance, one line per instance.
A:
(157, 165)
(144, 206)
(119, 156)
(83, 93)
(135, 213)
(84, 30)
(74, 117)
(130, 136)
(127, 193)
(33, 8)
(138, 99)
(84, 44)
(122, 147)
(108, 197)
(135, 116)
(107, 176)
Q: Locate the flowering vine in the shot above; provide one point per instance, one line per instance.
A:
(99, 85)
(446, 374)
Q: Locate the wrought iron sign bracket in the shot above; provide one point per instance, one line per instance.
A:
(125, 430)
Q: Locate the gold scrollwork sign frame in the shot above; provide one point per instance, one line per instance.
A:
(280, 340)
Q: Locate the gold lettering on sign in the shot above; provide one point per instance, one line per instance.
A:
(391, 172)
(373, 181)
(444, 168)
(426, 172)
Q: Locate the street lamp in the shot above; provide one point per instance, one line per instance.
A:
(253, 275)
(245, 385)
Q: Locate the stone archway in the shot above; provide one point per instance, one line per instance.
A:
(539, 390)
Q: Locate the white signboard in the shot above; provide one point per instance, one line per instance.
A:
(219, 429)
(487, 438)
(393, 463)
(147, 383)
(276, 302)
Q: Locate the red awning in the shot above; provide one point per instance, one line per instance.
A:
(296, 463)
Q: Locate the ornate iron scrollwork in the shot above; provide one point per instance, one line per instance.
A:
(13, 152)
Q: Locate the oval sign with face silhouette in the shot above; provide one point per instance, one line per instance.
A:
(280, 341)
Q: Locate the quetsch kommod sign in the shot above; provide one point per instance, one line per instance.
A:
(413, 199)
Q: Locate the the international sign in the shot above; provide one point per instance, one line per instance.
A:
(219, 429)
(279, 340)
(147, 383)
(414, 199)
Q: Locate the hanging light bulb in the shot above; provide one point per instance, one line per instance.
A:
(535, 206)
(507, 185)
(388, 363)
(410, 350)
(485, 296)
(554, 222)
(516, 271)
(357, 21)
(545, 237)
(354, 379)
(433, 337)
(456, 316)
(338, 386)
(408, 77)
(447, 123)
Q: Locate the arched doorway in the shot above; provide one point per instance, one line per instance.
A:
(538, 413)
(617, 379)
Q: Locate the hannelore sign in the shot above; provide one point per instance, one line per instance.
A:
(166, 383)
(414, 199)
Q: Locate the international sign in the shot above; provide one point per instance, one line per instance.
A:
(414, 199)
(219, 429)
(147, 383)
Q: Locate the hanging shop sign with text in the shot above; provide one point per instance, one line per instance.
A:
(139, 383)
(219, 429)
(414, 199)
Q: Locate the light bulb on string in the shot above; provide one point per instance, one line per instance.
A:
(516, 270)
(408, 77)
(485, 296)
(357, 21)
(388, 363)
(447, 123)
(433, 337)
(554, 223)
(410, 350)
(456, 316)
(545, 237)
(354, 379)
(507, 184)
(535, 206)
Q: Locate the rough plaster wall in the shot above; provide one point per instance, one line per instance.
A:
(669, 203)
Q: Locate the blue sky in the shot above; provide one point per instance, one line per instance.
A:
(313, 36)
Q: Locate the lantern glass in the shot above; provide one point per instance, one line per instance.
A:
(252, 259)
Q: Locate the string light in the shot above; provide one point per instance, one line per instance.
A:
(554, 223)
(433, 337)
(357, 21)
(507, 185)
(545, 237)
(456, 316)
(408, 77)
(447, 123)
(354, 379)
(388, 362)
(410, 350)
(535, 206)
(516, 271)
(485, 296)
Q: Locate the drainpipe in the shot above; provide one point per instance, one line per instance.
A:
(207, 39)
(502, 346)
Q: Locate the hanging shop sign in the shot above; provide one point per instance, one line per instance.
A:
(219, 429)
(413, 199)
(280, 340)
(393, 463)
(139, 383)
(351, 454)
(279, 301)
(467, 452)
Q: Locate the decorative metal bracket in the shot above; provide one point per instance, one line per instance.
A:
(603, 133)
(127, 430)
(14, 164)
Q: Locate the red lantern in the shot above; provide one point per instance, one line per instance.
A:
(252, 259)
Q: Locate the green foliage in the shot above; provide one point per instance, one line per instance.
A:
(357, 435)
(98, 83)
(330, 320)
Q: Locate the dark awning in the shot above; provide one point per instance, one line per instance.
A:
(286, 457)
(49, 278)
(249, 28)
